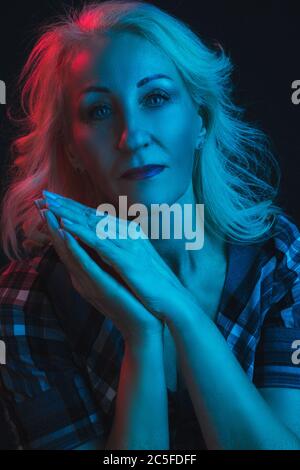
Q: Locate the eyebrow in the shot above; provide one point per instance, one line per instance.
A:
(139, 84)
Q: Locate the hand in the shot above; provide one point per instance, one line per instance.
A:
(99, 286)
(136, 261)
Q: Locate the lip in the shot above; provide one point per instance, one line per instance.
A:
(142, 172)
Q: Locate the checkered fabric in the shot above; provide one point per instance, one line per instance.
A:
(63, 357)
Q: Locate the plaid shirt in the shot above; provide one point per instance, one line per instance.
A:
(63, 357)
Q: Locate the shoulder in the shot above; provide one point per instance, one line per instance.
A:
(281, 242)
(22, 281)
(280, 330)
(42, 383)
(287, 240)
(28, 317)
(286, 254)
(263, 277)
(277, 258)
(280, 266)
(31, 268)
(38, 302)
(28, 314)
(255, 266)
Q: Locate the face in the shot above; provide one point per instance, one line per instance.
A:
(134, 122)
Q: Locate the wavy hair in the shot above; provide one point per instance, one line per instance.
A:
(235, 174)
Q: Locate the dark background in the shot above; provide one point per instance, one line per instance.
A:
(261, 37)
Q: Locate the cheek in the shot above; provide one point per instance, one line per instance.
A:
(183, 150)
(91, 149)
(179, 133)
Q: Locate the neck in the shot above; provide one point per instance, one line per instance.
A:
(174, 251)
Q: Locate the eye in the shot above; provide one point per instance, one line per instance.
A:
(161, 95)
(93, 112)
(97, 112)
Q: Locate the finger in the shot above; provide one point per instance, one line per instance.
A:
(71, 209)
(91, 269)
(76, 207)
(88, 219)
(114, 254)
(123, 265)
(56, 236)
(70, 251)
(137, 281)
(90, 280)
(64, 249)
(106, 287)
(64, 209)
(90, 238)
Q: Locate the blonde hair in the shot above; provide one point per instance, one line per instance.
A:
(235, 174)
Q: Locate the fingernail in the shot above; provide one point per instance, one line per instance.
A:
(67, 221)
(53, 202)
(51, 220)
(50, 195)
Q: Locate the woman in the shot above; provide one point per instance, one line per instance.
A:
(141, 343)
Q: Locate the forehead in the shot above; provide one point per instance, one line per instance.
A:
(120, 60)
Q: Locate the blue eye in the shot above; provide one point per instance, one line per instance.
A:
(164, 96)
(93, 111)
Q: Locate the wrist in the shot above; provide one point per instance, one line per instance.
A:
(145, 341)
(181, 309)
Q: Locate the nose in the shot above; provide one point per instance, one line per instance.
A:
(132, 139)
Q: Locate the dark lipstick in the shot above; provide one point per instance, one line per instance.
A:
(142, 172)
